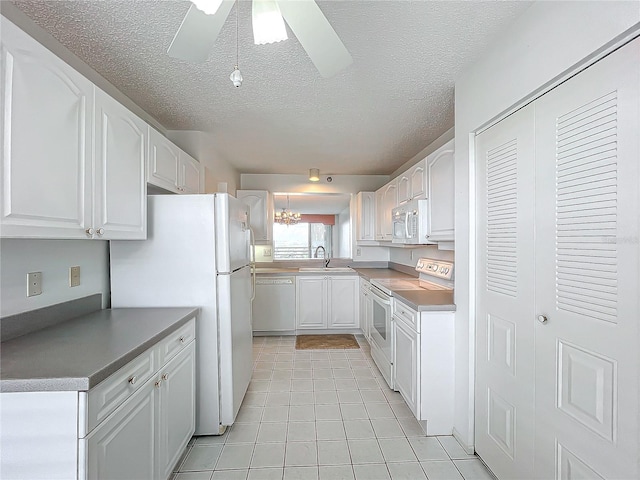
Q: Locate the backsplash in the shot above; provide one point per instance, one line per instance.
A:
(410, 256)
(53, 258)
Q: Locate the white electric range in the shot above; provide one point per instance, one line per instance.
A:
(433, 275)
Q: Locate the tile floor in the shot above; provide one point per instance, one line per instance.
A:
(323, 414)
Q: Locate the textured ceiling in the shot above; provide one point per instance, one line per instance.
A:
(394, 100)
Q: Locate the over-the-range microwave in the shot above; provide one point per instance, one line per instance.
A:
(410, 223)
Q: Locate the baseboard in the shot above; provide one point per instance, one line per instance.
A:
(470, 449)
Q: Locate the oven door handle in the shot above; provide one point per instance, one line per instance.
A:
(383, 298)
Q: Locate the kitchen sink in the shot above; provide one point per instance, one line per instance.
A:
(326, 269)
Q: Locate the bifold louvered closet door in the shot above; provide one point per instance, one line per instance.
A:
(558, 312)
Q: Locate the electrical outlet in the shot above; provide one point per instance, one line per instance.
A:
(74, 276)
(34, 284)
(358, 252)
(267, 252)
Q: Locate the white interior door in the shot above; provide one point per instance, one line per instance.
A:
(587, 183)
(505, 306)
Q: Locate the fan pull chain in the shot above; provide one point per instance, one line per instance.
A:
(236, 76)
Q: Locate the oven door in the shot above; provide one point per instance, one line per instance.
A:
(381, 333)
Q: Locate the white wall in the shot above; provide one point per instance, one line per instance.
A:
(201, 145)
(549, 39)
(53, 258)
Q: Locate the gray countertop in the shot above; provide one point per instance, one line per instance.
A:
(78, 354)
(421, 300)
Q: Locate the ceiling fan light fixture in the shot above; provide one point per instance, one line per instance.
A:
(236, 77)
(268, 24)
(314, 174)
(210, 7)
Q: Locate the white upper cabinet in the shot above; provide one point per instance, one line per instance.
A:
(260, 204)
(441, 193)
(404, 188)
(171, 168)
(164, 160)
(190, 174)
(412, 183)
(389, 202)
(47, 110)
(418, 180)
(379, 200)
(58, 183)
(120, 201)
(365, 216)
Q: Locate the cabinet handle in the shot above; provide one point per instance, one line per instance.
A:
(181, 339)
(133, 379)
(100, 231)
(89, 231)
(165, 376)
(158, 384)
(542, 319)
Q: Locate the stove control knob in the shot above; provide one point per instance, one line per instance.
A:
(441, 269)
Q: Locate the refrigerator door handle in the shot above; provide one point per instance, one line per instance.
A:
(252, 257)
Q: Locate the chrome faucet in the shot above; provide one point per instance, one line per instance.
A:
(324, 252)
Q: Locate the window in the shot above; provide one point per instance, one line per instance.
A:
(301, 241)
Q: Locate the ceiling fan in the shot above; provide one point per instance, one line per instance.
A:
(204, 19)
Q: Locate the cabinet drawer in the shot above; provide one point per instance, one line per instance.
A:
(109, 394)
(176, 342)
(408, 315)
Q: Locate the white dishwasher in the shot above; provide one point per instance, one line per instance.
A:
(274, 308)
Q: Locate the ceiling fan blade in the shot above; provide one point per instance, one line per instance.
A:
(316, 35)
(198, 32)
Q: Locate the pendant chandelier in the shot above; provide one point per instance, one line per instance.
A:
(286, 216)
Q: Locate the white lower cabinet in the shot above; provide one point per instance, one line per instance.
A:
(366, 308)
(329, 302)
(145, 436)
(135, 424)
(176, 410)
(406, 363)
(423, 365)
(123, 445)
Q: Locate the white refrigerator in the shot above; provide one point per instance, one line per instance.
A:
(198, 253)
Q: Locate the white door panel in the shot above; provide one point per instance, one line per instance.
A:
(587, 271)
(232, 233)
(504, 334)
(236, 349)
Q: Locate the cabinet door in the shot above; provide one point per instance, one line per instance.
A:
(379, 214)
(418, 180)
(176, 410)
(311, 302)
(343, 302)
(123, 445)
(162, 170)
(390, 202)
(260, 211)
(404, 188)
(120, 187)
(46, 142)
(405, 365)
(190, 171)
(365, 221)
(441, 221)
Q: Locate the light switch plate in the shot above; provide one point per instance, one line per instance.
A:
(74, 276)
(34, 284)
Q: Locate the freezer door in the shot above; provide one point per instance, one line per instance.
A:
(235, 341)
(232, 233)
